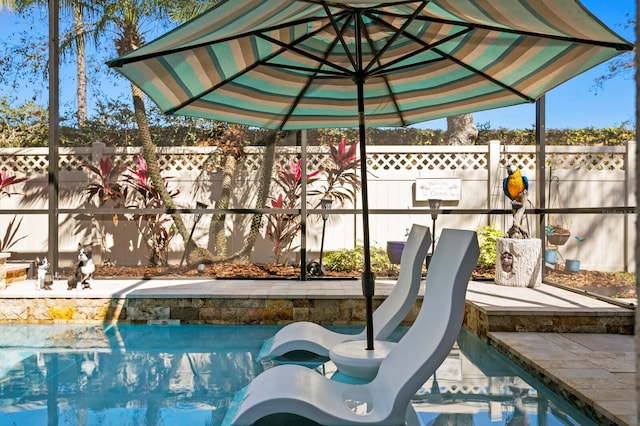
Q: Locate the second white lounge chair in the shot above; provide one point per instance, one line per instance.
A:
(311, 338)
(302, 392)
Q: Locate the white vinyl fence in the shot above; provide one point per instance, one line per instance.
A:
(578, 177)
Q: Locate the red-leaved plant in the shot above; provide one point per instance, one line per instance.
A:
(131, 187)
(10, 237)
(7, 180)
(282, 228)
(341, 184)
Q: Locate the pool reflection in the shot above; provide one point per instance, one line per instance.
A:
(188, 375)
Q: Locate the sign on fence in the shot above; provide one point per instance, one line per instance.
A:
(438, 189)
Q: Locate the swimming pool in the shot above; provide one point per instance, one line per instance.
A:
(157, 375)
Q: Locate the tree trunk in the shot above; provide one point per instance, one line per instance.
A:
(149, 155)
(263, 193)
(217, 221)
(81, 67)
(461, 130)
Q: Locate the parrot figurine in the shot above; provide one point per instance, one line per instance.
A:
(514, 186)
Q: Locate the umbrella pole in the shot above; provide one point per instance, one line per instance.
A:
(368, 278)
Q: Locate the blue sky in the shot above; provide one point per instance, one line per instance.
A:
(575, 104)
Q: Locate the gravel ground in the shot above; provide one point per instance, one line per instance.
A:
(620, 285)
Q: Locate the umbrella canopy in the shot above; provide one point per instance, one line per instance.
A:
(287, 64)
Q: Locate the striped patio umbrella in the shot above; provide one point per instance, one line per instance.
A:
(296, 64)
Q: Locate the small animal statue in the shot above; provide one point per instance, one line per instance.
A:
(516, 188)
(42, 283)
(83, 273)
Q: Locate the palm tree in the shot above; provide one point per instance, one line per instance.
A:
(7, 5)
(126, 17)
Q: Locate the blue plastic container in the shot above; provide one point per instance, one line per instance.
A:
(572, 265)
(551, 256)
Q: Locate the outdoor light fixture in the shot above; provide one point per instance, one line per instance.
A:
(196, 217)
(199, 206)
(325, 204)
(434, 204)
(315, 268)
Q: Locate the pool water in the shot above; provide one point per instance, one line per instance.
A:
(161, 375)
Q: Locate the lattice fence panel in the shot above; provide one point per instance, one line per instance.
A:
(590, 162)
(391, 161)
(523, 161)
(24, 164)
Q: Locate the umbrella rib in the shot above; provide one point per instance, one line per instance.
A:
(444, 55)
(485, 76)
(120, 62)
(410, 36)
(292, 46)
(617, 46)
(340, 32)
(313, 75)
(385, 78)
(221, 83)
(395, 36)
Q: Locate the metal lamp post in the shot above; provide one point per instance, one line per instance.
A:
(315, 268)
(196, 217)
(434, 204)
(325, 204)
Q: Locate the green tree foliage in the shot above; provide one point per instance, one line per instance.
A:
(114, 124)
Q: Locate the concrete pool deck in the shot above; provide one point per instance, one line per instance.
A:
(579, 346)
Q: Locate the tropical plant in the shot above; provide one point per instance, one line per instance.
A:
(10, 237)
(488, 239)
(7, 180)
(156, 228)
(283, 227)
(108, 186)
(342, 181)
(131, 187)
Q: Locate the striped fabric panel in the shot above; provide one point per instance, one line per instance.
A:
(276, 64)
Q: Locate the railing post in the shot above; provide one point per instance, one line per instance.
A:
(630, 200)
(97, 151)
(494, 190)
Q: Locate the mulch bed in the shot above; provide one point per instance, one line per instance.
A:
(607, 283)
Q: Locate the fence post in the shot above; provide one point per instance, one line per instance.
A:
(493, 176)
(97, 151)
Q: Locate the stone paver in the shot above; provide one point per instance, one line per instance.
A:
(595, 369)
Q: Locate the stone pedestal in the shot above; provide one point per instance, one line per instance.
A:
(519, 262)
(3, 269)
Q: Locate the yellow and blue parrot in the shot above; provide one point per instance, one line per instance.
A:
(514, 186)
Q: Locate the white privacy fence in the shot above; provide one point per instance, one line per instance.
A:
(577, 177)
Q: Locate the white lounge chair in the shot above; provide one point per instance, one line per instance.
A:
(385, 400)
(304, 336)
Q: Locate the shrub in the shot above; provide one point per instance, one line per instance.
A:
(352, 260)
(487, 239)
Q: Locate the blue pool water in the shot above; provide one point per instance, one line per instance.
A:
(188, 375)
